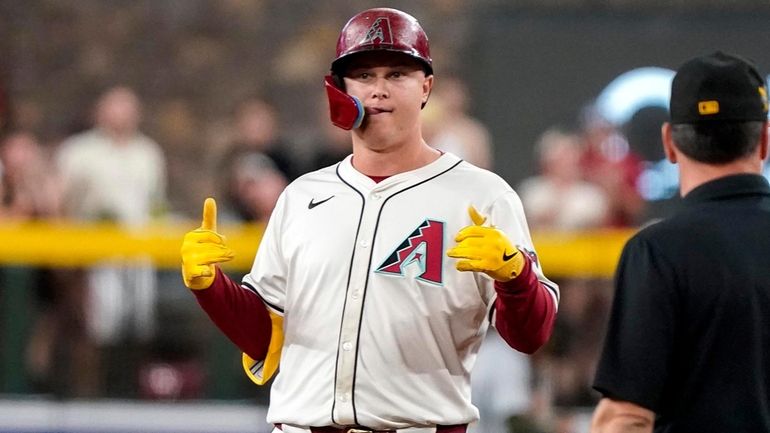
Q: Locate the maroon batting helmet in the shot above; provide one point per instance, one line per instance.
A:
(383, 29)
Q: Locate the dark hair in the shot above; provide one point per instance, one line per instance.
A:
(717, 142)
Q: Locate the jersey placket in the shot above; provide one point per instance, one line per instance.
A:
(347, 349)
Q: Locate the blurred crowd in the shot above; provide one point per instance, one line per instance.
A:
(129, 330)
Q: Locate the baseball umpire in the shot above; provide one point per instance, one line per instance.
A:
(688, 344)
(375, 328)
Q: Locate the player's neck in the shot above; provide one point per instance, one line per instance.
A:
(694, 174)
(392, 160)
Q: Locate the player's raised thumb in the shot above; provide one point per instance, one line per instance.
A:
(476, 217)
(209, 215)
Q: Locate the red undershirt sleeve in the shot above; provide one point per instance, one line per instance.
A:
(525, 311)
(239, 313)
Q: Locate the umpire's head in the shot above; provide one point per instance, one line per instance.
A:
(718, 111)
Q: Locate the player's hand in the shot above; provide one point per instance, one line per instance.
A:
(202, 248)
(486, 249)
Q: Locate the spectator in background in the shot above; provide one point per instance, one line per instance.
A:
(254, 185)
(335, 143)
(3, 190)
(114, 173)
(450, 128)
(558, 198)
(608, 162)
(658, 184)
(256, 130)
(250, 193)
(31, 192)
(5, 111)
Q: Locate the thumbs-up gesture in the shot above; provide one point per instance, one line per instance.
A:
(486, 249)
(202, 248)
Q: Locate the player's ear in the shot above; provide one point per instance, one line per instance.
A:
(427, 87)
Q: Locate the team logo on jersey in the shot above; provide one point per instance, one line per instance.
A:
(379, 32)
(423, 248)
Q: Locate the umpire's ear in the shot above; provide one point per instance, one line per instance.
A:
(763, 142)
(668, 142)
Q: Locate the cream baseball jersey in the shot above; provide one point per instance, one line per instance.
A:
(380, 329)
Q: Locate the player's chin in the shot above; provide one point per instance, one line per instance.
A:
(376, 125)
(380, 139)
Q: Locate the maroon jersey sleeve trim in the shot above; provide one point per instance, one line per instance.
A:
(525, 311)
(239, 313)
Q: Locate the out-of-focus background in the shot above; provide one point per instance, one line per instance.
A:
(119, 117)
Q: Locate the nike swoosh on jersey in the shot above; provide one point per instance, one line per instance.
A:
(313, 204)
(507, 257)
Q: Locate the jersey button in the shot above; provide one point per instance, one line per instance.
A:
(343, 398)
(376, 196)
(347, 346)
(364, 244)
(355, 296)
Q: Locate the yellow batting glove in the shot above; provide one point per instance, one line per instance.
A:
(202, 248)
(486, 249)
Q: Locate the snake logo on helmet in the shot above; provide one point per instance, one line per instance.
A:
(379, 32)
(372, 30)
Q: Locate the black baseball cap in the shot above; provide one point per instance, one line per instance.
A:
(718, 87)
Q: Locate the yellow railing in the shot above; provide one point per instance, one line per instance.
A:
(66, 244)
(581, 254)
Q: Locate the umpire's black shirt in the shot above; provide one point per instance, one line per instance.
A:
(689, 335)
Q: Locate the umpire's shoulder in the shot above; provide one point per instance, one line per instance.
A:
(674, 226)
(664, 236)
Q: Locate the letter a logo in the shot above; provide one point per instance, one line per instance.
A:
(423, 248)
(378, 33)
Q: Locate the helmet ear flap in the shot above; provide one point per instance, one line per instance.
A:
(345, 111)
(338, 81)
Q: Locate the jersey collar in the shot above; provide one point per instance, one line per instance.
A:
(398, 181)
(727, 187)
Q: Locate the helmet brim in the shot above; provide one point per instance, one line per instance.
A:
(340, 64)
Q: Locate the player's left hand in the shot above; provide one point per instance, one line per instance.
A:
(486, 249)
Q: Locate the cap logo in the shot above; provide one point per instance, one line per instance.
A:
(708, 107)
(379, 32)
(763, 95)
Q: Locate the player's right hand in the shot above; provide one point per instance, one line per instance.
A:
(486, 249)
(202, 248)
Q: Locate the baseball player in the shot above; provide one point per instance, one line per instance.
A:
(377, 277)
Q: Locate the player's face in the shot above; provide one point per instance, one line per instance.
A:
(392, 88)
